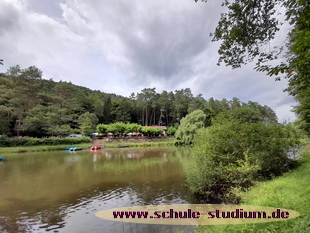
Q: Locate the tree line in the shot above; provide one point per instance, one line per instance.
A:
(32, 106)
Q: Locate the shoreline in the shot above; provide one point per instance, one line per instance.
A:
(85, 146)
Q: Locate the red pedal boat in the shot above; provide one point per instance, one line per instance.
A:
(95, 148)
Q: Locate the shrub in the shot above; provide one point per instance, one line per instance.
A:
(233, 155)
(171, 131)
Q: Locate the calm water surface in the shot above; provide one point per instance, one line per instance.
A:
(62, 191)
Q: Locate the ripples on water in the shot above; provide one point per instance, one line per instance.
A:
(61, 192)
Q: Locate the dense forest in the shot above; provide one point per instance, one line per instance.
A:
(32, 106)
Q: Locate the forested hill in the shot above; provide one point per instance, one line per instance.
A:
(32, 106)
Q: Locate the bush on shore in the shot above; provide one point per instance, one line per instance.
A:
(28, 141)
(232, 155)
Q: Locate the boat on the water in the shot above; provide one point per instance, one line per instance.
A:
(95, 148)
(121, 146)
(68, 148)
(75, 148)
(1, 158)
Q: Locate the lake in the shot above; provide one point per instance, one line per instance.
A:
(61, 191)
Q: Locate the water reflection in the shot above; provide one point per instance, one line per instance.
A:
(61, 192)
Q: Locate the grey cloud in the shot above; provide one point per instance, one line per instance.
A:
(9, 18)
(50, 8)
(157, 38)
(124, 46)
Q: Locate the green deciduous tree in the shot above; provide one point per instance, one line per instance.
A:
(148, 131)
(102, 129)
(189, 125)
(130, 128)
(118, 128)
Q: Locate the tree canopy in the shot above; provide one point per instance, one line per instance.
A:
(189, 126)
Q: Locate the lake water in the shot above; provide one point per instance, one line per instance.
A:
(61, 191)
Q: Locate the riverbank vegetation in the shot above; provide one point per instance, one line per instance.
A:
(29, 141)
(22, 149)
(230, 156)
(240, 147)
(153, 142)
(290, 191)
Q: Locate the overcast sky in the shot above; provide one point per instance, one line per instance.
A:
(124, 46)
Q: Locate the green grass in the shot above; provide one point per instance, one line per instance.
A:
(20, 149)
(141, 144)
(290, 191)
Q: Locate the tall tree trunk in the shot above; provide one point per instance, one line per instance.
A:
(151, 117)
(146, 116)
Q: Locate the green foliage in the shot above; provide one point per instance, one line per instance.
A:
(88, 122)
(28, 141)
(189, 125)
(303, 110)
(61, 130)
(171, 131)
(130, 128)
(121, 111)
(290, 191)
(247, 115)
(243, 114)
(244, 29)
(102, 128)
(31, 106)
(233, 155)
(118, 128)
(151, 131)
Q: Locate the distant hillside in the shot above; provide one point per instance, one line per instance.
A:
(32, 106)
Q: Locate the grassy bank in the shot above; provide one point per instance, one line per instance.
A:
(20, 149)
(142, 144)
(290, 191)
(30, 141)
